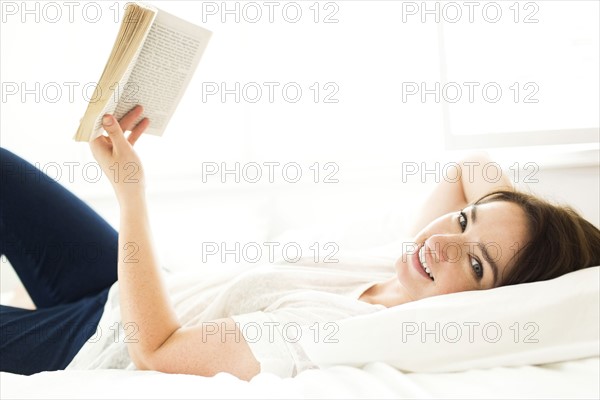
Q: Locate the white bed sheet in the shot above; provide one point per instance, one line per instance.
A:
(570, 379)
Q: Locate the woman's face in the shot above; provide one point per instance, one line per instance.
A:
(467, 251)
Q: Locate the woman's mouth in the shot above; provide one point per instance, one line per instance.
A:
(420, 263)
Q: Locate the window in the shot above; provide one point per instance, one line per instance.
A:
(534, 75)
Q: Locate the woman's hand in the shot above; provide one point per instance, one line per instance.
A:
(115, 155)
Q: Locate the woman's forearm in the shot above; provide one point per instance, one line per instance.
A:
(478, 176)
(146, 311)
(145, 305)
(445, 197)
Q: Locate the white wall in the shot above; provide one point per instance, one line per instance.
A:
(576, 186)
(369, 133)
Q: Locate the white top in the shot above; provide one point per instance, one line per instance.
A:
(269, 302)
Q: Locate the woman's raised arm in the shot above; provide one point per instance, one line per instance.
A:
(159, 341)
(479, 175)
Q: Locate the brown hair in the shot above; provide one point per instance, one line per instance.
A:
(559, 239)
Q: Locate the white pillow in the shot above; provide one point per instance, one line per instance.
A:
(532, 323)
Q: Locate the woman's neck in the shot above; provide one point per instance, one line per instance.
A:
(388, 293)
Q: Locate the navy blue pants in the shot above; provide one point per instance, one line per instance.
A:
(66, 256)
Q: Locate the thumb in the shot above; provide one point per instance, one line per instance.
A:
(112, 127)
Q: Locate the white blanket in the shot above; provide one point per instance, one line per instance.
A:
(572, 379)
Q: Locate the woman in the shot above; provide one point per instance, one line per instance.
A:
(198, 326)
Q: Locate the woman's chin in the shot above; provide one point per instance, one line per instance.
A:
(401, 267)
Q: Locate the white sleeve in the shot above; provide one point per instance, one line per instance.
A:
(275, 345)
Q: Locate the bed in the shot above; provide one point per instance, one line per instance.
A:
(569, 379)
(552, 352)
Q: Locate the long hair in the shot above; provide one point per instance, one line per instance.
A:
(559, 239)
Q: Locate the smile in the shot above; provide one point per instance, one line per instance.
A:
(420, 263)
(423, 261)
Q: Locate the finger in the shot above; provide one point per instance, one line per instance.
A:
(100, 143)
(115, 133)
(128, 120)
(138, 130)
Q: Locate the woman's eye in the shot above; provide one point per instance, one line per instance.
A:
(477, 268)
(462, 220)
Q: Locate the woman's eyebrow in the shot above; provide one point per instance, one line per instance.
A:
(483, 249)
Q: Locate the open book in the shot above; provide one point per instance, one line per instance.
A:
(152, 62)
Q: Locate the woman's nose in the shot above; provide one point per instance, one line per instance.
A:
(444, 249)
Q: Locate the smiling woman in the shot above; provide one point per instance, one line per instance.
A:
(471, 235)
(457, 252)
(503, 237)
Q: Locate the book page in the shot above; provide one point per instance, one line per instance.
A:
(134, 29)
(111, 106)
(164, 68)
